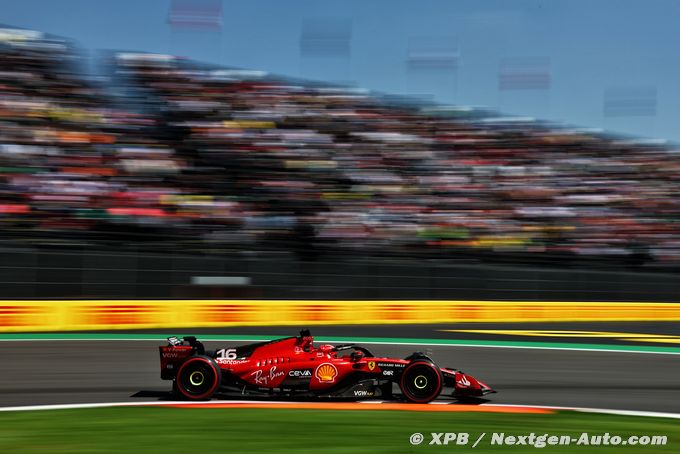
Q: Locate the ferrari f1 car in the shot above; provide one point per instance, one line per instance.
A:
(293, 367)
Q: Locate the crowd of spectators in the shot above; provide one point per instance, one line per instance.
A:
(217, 158)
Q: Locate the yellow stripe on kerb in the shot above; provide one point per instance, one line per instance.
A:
(17, 316)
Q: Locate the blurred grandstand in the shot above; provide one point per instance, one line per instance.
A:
(171, 154)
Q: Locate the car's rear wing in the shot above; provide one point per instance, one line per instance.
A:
(173, 354)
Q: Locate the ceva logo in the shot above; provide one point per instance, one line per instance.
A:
(300, 373)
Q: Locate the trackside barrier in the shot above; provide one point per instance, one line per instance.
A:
(27, 316)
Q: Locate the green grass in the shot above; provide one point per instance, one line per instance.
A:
(198, 430)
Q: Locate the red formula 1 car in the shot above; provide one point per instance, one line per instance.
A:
(293, 367)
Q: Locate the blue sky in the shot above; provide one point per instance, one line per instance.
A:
(592, 46)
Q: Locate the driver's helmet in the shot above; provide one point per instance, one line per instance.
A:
(326, 348)
(356, 355)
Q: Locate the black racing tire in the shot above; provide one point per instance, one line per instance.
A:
(421, 382)
(198, 378)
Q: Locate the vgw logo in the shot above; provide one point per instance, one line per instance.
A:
(363, 393)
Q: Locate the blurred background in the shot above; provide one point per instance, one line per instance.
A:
(301, 149)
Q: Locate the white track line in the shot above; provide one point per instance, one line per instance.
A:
(607, 411)
(134, 404)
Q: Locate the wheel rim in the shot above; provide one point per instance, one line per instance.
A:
(196, 378)
(420, 382)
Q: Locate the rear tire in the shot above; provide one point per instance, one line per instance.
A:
(421, 382)
(198, 378)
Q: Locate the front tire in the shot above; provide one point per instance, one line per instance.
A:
(421, 382)
(198, 378)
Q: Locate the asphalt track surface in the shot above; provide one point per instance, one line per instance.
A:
(61, 372)
(440, 331)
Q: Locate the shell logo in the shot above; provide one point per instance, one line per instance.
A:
(326, 373)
